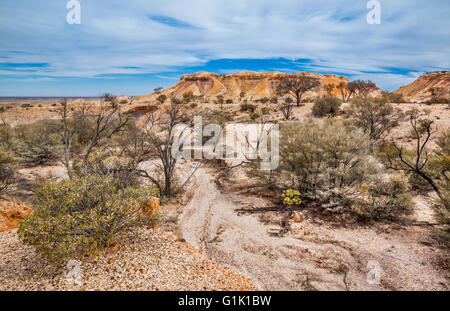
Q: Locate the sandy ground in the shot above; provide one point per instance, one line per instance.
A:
(315, 255)
(149, 260)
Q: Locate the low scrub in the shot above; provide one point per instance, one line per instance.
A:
(331, 165)
(326, 106)
(248, 108)
(38, 143)
(83, 216)
(385, 199)
(396, 98)
(7, 171)
(6, 136)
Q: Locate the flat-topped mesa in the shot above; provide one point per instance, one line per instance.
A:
(253, 85)
(201, 75)
(421, 89)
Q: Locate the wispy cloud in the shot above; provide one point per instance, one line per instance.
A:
(22, 67)
(169, 21)
(128, 46)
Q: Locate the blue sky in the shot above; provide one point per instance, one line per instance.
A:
(131, 47)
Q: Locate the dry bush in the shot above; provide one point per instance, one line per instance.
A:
(296, 87)
(37, 143)
(375, 116)
(431, 166)
(327, 106)
(8, 167)
(331, 164)
(248, 108)
(82, 216)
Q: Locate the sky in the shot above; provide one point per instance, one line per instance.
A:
(131, 47)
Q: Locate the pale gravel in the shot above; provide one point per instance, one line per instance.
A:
(150, 260)
(316, 253)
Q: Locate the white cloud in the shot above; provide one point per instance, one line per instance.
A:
(118, 37)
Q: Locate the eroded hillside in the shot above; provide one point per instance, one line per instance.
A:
(252, 85)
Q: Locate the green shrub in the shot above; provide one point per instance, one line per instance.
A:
(254, 116)
(396, 98)
(176, 101)
(326, 106)
(162, 98)
(440, 169)
(307, 100)
(438, 101)
(6, 136)
(83, 216)
(328, 163)
(263, 100)
(386, 199)
(248, 107)
(26, 105)
(105, 165)
(38, 143)
(317, 157)
(7, 171)
(188, 97)
(375, 116)
(265, 111)
(220, 117)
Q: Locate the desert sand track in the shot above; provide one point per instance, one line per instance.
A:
(325, 259)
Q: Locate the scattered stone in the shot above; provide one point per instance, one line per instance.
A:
(275, 230)
(297, 218)
(149, 260)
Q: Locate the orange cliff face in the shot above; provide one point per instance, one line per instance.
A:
(255, 85)
(419, 90)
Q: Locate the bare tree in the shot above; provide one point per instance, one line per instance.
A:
(329, 88)
(436, 93)
(6, 135)
(375, 116)
(362, 88)
(220, 101)
(296, 87)
(155, 143)
(107, 122)
(67, 135)
(101, 125)
(176, 101)
(285, 107)
(346, 89)
(162, 98)
(188, 97)
(241, 95)
(422, 131)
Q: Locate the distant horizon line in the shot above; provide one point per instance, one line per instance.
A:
(53, 97)
(201, 71)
